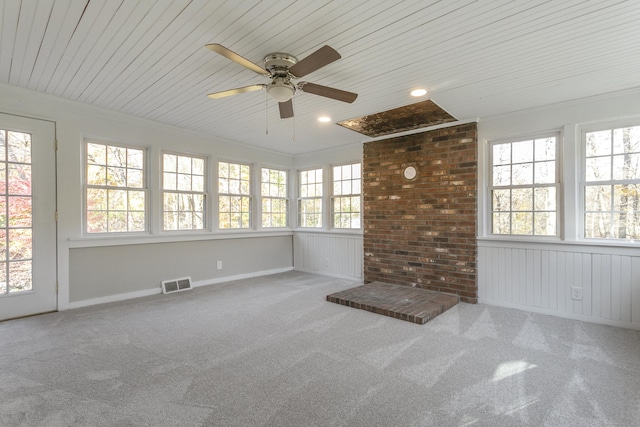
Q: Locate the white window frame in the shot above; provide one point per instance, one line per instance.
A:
(558, 185)
(321, 198)
(334, 197)
(582, 184)
(86, 186)
(204, 193)
(264, 197)
(249, 196)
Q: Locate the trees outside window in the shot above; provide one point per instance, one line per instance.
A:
(524, 187)
(184, 197)
(275, 203)
(310, 201)
(345, 203)
(611, 186)
(116, 193)
(234, 195)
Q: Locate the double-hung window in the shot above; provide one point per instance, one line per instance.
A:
(611, 184)
(115, 185)
(524, 186)
(345, 203)
(310, 201)
(275, 203)
(183, 192)
(234, 195)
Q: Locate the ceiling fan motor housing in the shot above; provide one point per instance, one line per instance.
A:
(278, 64)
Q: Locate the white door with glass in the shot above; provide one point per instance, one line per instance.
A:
(27, 217)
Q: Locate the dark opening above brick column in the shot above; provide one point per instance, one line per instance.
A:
(422, 232)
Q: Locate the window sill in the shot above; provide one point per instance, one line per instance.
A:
(574, 246)
(98, 241)
(335, 231)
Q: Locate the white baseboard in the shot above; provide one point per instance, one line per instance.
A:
(564, 315)
(155, 291)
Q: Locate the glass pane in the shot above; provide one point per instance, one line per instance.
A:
(626, 197)
(597, 198)
(117, 199)
(522, 152)
(244, 187)
(96, 154)
(337, 173)
(346, 187)
(3, 245)
(169, 163)
(356, 170)
(185, 221)
(3, 277)
(197, 167)
(501, 223)
(134, 178)
(170, 202)
(136, 200)
(116, 177)
(19, 177)
(96, 175)
(96, 199)
(20, 244)
(19, 147)
(117, 221)
(19, 211)
(3, 211)
(545, 223)
(116, 156)
(626, 140)
(545, 199)
(522, 174)
(97, 222)
(597, 225)
(522, 199)
(318, 190)
(169, 181)
(598, 169)
(223, 170)
(545, 149)
(20, 274)
(136, 221)
(501, 175)
(522, 223)
(198, 220)
(135, 158)
(234, 186)
(356, 186)
(545, 172)
(170, 221)
(197, 183)
(3, 176)
(184, 182)
(184, 164)
(627, 225)
(626, 166)
(501, 154)
(598, 143)
(223, 185)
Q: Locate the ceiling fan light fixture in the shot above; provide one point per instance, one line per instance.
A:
(281, 91)
(418, 92)
(324, 119)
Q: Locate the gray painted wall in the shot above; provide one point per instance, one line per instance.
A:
(111, 270)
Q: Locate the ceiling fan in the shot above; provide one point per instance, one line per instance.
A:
(281, 68)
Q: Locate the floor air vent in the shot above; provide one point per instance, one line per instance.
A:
(176, 285)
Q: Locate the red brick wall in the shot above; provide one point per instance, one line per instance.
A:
(422, 232)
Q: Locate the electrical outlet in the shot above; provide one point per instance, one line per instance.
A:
(219, 265)
(576, 293)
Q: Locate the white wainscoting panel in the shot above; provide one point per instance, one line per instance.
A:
(540, 278)
(332, 254)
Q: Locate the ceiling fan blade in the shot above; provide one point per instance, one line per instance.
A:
(328, 92)
(229, 54)
(286, 109)
(318, 59)
(235, 91)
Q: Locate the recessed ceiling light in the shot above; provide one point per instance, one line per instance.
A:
(419, 92)
(324, 119)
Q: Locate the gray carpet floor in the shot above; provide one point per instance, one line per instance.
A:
(271, 351)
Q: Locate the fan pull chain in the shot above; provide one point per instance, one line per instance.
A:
(266, 113)
(294, 120)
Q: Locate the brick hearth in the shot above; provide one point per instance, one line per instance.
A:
(414, 305)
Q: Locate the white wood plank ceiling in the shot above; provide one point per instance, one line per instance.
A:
(476, 57)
